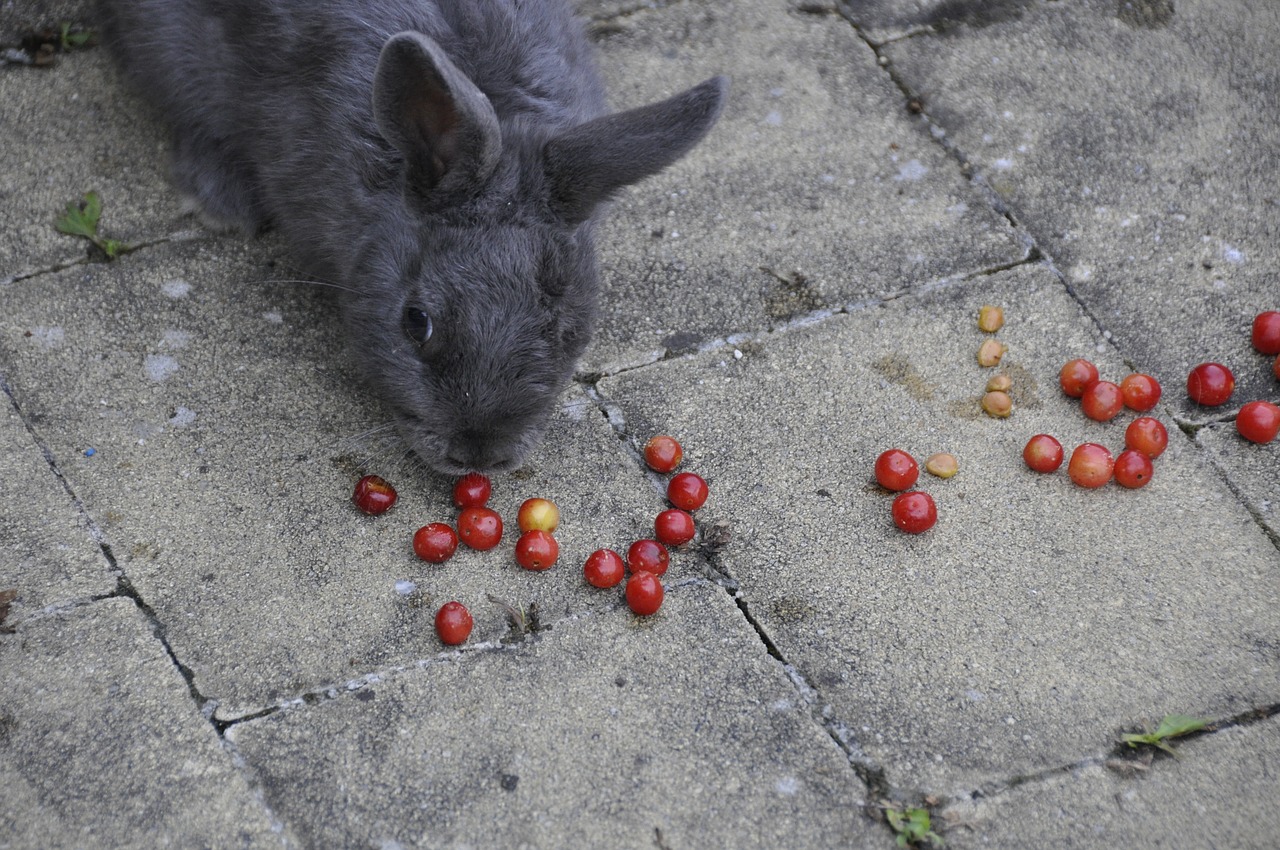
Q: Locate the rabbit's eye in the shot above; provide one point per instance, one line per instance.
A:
(416, 324)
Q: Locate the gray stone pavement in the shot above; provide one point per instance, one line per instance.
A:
(211, 648)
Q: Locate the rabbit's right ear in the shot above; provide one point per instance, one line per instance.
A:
(588, 163)
(443, 125)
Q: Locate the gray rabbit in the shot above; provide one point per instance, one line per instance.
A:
(443, 162)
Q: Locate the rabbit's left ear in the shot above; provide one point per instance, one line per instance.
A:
(443, 125)
(588, 163)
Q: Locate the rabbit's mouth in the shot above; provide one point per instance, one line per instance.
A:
(488, 450)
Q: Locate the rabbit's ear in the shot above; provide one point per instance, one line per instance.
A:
(443, 125)
(590, 162)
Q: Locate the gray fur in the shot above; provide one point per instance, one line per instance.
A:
(446, 156)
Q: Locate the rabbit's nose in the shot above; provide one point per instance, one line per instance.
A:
(482, 452)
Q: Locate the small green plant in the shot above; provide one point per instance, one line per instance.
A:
(69, 40)
(1172, 726)
(912, 826)
(81, 219)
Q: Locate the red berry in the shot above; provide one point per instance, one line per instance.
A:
(673, 527)
(1043, 453)
(914, 512)
(1210, 384)
(479, 528)
(1266, 332)
(644, 593)
(687, 491)
(435, 543)
(472, 491)
(604, 568)
(538, 514)
(537, 550)
(453, 623)
(1258, 421)
(1132, 469)
(1091, 465)
(1146, 435)
(663, 453)
(1141, 392)
(374, 495)
(1102, 401)
(1076, 376)
(896, 470)
(648, 556)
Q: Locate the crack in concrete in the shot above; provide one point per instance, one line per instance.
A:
(1120, 750)
(63, 265)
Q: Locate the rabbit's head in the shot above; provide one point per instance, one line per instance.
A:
(477, 289)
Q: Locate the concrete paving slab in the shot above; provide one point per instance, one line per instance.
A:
(228, 433)
(1252, 470)
(1037, 617)
(1220, 793)
(68, 130)
(607, 731)
(816, 189)
(1140, 153)
(50, 555)
(102, 746)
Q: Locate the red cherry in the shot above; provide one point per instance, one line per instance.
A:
(674, 527)
(687, 491)
(374, 495)
(648, 556)
(1091, 465)
(1146, 435)
(1210, 384)
(1266, 332)
(453, 623)
(472, 491)
(537, 550)
(1141, 392)
(539, 514)
(663, 453)
(435, 543)
(1076, 376)
(896, 470)
(479, 528)
(1132, 469)
(604, 568)
(644, 593)
(1043, 453)
(1102, 401)
(914, 512)
(1258, 421)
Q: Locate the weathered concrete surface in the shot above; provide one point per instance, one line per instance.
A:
(1035, 619)
(50, 556)
(69, 130)
(1104, 170)
(101, 745)
(1221, 792)
(228, 438)
(607, 731)
(1150, 178)
(816, 188)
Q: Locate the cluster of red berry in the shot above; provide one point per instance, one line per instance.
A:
(913, 512)
(1257, 421)
(1092, 464)
(1208, 384)
(648, 559)
(1211, 384)
(480, 528)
